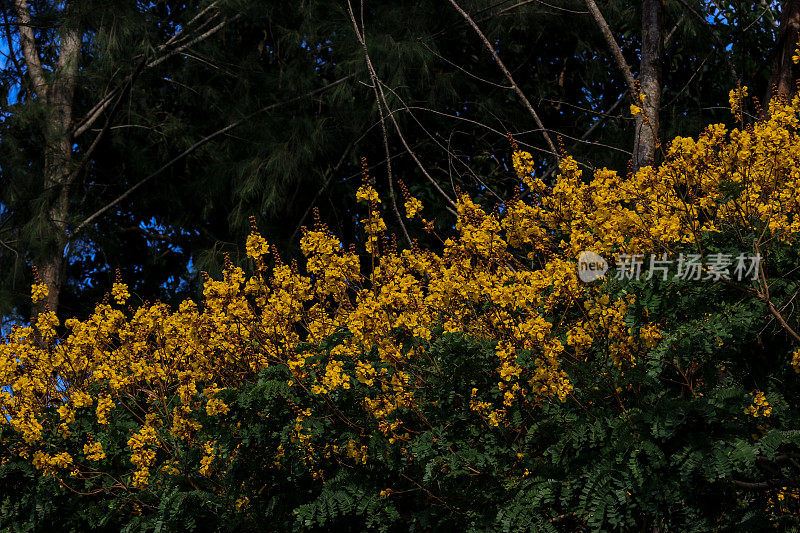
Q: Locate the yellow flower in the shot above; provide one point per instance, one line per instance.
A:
(256, 246)
(94, 451)
(523, 163)
(208, 457)
(120, 293)
(39, 292)
(735, 98)
(216, 407)
(413, 207)
(104, 405)
(367, 194)
(760, 406)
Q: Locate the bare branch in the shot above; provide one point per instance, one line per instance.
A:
(91, 117)
(462, 69)
(597, 124)
(510, 78)
(197, 145)
(689, 82)
(374, 77)
(763, 295)
(96, 142)
(191, 21)
(405, 107)
(524, 2)
(331, 173)
(94, 113)
(194, 41)
(671, 32)
(9, 41)
(720, 44)
(616, 51)
(603, 116)
(503, 134)
(394, 121)
(766, 485)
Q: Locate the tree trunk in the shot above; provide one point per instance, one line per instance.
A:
(781, 81)
(58, 158)
(644, 148)
(57, 91)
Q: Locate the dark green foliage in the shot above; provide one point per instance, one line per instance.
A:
(662, 444)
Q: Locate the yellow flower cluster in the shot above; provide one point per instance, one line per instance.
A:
(256, 246)
(143, 454)
(333, 379)
(208, 457)
(523, 163)
(735, 99)
(413, 207)
(94, 451)
(357, 452)
(368, 195)
(39, 292)
(507, 276)
(374, 225)
(744, 178)
(50, 463)
(120, 293)
(784, 500)
(760, 405)
(335, 269)
(636, 109)
(104, 405)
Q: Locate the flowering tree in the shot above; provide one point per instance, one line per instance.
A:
(483, 384)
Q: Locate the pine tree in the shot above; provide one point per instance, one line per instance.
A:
(172, 123)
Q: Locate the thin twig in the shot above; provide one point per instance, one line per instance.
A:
(720, 44)
(362, 38)
(94, 113)
(96, 142)
(509, 77)
(616, 51)
(10, 42)
(400, 133)
(331, 174)
(197, 145)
